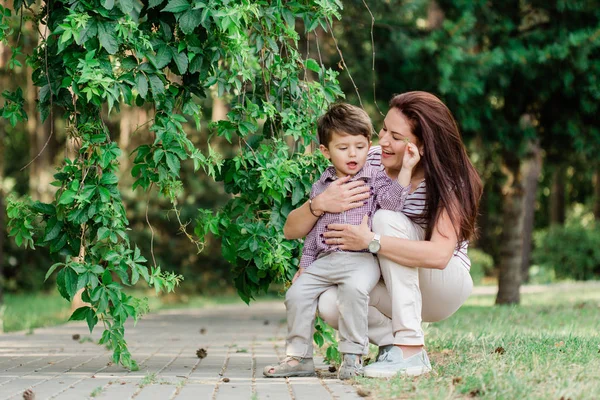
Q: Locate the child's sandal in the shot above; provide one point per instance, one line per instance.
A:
(305, 367)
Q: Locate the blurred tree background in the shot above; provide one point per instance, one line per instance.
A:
(521, 77)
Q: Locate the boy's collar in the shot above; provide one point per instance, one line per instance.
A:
(366, 172)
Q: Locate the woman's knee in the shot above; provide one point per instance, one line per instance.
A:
(391, 223)
(328, 308)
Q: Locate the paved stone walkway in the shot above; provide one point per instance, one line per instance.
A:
(239, 341)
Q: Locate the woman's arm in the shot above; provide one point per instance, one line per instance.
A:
(340, 196)
(434, 253)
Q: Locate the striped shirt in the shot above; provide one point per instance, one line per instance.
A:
(387, 194)
(414, 207)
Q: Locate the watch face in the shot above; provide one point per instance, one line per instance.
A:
(374, 246)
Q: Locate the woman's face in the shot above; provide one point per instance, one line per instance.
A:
(392, 139)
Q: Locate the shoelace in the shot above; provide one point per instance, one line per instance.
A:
(384, 356)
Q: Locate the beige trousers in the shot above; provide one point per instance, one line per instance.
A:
(354, 275)
(406, 296)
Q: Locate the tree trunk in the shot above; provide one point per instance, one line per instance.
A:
(435, 15)
(532, 168)
(511, 246)
(557, 196)
(219, 107)
(2, 223)
(4, 78)
(597, 194)
(40, 171)
(2, 234)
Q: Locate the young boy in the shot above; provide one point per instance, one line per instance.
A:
(344, 137)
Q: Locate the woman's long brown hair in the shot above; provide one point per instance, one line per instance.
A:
(451, 180)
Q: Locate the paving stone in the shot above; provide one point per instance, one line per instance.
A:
(237, 341)
(196, 391)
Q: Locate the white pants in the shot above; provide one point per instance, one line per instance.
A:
(407, 295)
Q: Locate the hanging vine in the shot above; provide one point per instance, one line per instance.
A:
(97, 55)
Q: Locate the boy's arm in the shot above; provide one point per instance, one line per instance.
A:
(390, 194)
(309, 251)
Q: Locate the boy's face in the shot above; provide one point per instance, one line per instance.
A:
(348, 153)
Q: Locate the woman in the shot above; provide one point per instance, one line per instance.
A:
(422, 251)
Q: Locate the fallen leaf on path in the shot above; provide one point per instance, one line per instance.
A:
(28, 395)
(201, 353)
(76, 336)
(362, 392)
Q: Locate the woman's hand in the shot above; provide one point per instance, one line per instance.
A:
(349, 237)
(341, 196)
(411, 156)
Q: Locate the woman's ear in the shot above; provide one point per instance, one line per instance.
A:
(421, 150)
(325, 151)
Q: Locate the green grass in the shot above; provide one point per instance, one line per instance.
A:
(25, 312)
(547, 348)
(29, 311)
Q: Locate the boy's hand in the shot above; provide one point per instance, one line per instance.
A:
(298, 273)
(411, 156)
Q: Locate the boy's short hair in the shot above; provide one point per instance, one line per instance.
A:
(343, 118)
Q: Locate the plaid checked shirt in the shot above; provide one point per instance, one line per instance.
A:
(387, 194)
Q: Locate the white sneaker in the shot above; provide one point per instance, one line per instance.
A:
(393, 363)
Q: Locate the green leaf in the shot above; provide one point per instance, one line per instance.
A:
(53, 228)
(79, 314)
(58, 244)
(173, 163)
(189, 20)
(158, 155)
(66, 281)
(156, 85)
(90, 31)
(297, 194)
(67, 197)
(104, 193)
(154, 3)
(163, 57)
(135, 275)
(181, 60)
(126, 6)
(108, 4)
(313, 65)
(52, 269)
(141, 83)
(107, 277)
(176, 6)
(109, 179)
(107, 35)
(43, 208)
(91, 319)
(318, 339)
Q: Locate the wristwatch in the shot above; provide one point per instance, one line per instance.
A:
(375, 244)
